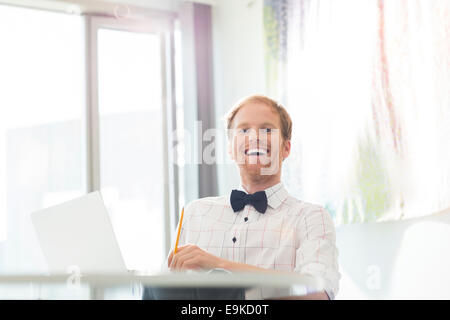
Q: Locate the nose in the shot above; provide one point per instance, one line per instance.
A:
(253, 134)
(256, 138)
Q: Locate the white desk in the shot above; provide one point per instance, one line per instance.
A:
(98, 282)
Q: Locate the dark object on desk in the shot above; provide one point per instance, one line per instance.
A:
(152, 293)
(160, 293)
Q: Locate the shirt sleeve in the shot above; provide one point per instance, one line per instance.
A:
(316, 253)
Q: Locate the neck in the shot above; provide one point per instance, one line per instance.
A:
(259, 183)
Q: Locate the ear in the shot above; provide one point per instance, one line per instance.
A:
(286, 149)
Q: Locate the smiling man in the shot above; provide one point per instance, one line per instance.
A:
(259, 227)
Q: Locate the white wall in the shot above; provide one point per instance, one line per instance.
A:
(407, 259)
(238, 50)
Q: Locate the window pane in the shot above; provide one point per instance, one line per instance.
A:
(131, 150)
(42, 146)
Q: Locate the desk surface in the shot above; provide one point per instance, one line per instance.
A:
(176, 280)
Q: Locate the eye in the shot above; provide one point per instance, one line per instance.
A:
(266, 130)
(243, 130)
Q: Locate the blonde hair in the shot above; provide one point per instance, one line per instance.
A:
(285, 119)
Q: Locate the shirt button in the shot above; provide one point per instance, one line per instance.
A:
(234, 239)
(245, 219)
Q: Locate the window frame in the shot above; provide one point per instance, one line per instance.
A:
(162, 25)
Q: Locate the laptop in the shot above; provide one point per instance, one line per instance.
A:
(79, 234)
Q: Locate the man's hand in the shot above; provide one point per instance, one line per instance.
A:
(192, 257)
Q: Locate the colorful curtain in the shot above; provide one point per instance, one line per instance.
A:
(367, 84)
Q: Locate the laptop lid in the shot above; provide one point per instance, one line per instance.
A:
(79, 233)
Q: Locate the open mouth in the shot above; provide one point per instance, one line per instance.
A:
(256, 152)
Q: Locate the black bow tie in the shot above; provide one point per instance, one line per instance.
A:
(239, 199)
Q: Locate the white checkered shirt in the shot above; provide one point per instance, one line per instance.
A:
(291, 235)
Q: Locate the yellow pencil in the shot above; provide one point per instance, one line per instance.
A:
(179, 231)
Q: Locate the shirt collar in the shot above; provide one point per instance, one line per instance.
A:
(276, 194)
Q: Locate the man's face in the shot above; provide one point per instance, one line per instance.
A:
(256, 144)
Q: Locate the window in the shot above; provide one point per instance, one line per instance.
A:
(72, 123)
(42, 141)
(131, 147)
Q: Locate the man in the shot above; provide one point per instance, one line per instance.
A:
(259, 227)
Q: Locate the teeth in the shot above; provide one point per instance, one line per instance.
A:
(256, 152)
